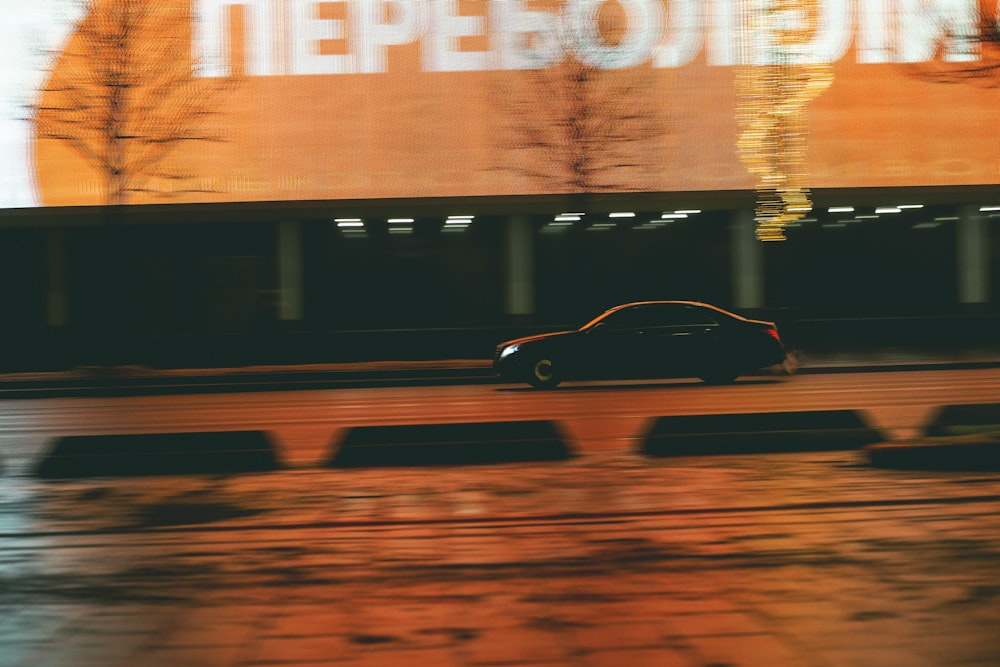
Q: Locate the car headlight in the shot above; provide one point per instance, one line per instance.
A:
(510, 349)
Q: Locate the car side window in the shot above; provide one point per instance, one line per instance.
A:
(627, 318)
(697, 317)
(677, 315)
(650, 317)
(658, 315)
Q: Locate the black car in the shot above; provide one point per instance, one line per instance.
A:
(648, 339)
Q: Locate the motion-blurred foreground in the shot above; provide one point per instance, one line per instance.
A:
(664, 523)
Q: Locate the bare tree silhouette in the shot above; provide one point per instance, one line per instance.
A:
(984, 69)
(123, 96)
(575, 127)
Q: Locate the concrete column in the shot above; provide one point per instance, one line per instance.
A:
(291, 306)
(57, 304)
(973, 257)
(747, 262)
(520, 266)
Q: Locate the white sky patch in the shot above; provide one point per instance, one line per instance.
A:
(29, 37)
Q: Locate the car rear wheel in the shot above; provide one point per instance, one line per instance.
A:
(544, 374)
(719, 376)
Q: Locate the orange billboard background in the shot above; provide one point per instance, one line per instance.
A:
(407, 132)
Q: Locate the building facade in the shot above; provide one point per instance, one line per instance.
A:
(247, 169)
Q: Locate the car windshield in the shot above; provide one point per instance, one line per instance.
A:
(600, 318)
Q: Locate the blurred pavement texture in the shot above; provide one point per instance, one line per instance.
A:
(812, 560)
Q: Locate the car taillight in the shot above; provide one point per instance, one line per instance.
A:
(773, 333)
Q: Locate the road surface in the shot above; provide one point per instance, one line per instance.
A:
(594, 416)
(608, 558)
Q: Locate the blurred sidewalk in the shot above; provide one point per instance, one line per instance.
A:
(806, 560)
(97, 380)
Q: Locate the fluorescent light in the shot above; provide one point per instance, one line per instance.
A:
(989, 208)
(946, 219)
(910, 206)
(622, 214)
(840, 209)
(461, 217)
(691, 211)
(887, 209)
(556, 227)
(567, 217)
(673, 216)
(349, 222)
(398, 221)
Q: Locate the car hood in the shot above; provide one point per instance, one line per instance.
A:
(537, 337)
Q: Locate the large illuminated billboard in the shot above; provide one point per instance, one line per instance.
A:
(140, 101)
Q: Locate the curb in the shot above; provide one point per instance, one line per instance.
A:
(131, 381)
(450, 444)
(150, 454)
(877, 367)
(964, 419)
(237, 381)
(759, 433)
(978, 452)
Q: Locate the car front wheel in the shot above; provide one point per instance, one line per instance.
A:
(544, 374)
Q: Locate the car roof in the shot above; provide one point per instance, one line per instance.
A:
(699, 304)
(654, 302)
